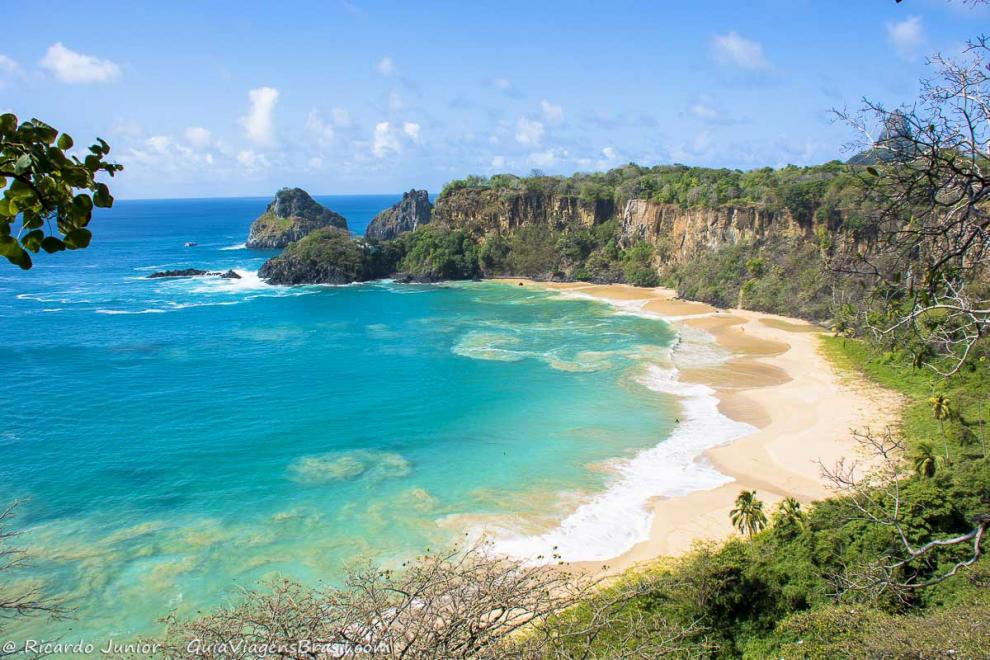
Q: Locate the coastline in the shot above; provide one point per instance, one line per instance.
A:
(799, 407)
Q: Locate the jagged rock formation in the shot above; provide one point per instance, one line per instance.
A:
(195, 272)
(412, 211)
(896, 141)
(292, 215)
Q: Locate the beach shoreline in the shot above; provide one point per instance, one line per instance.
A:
(777, 380)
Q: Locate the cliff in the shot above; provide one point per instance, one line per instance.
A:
(414, 210)
(761, 239)
(485, 211)
(289, 217)
(681, 234)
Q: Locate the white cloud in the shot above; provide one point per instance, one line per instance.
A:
(411, 129)
(702, 111)
(907, 36)
(159, 143)
(502, 84)
(735, 50)
(553, 113)
(321, 130)
(385, 66)
(251, 160)
(258, 121)
(8, 65)
(389, 138)
(529, 132)
(498, 162)
(198, 137)
(544, 158)
(385, 140)
(72, 67)
(609, 153)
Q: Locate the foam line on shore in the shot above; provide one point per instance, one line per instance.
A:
(612, 522)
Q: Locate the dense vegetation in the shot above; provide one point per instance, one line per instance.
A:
(329, 256)
(782, 593)
(822, 191)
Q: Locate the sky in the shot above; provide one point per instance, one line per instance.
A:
(213, 99)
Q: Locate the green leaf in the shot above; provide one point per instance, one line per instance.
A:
(22, 259)
(51, 244)
(9, 246)
(31, 219)
(78, 238)
(65, 142)
(102, 196)
(45, 133)
(8, 123)
(23, 164)
(872, 170)
(32, 240)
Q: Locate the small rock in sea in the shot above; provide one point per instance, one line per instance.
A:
(190, 244)
(195, 272)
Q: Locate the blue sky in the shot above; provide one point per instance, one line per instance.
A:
(240, 98)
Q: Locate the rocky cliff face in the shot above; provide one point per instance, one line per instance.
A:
(502, 211)
(681, 234)
(292, 215)
(414, 210)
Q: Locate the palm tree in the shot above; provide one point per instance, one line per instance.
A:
(789, 511)
(941, 410)
(926, 463)
(748, 516)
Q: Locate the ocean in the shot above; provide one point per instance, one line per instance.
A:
(171, 441)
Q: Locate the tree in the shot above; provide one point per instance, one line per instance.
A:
(926, 463)
(18, 602)
(748, 516)
(42, 183)
(453, 604)
(941, 410)
(929, 191)
(789, 510)
(880, 498)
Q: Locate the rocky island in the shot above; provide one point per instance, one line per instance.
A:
(414, 210)
(289, 217)
(194, 272)
(327, 256)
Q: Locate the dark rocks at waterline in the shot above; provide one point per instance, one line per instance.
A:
(408, 278)
(195, 272)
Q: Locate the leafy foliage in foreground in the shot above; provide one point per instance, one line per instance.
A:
(40, 180)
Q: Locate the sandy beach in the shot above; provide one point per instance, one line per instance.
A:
(778, 381)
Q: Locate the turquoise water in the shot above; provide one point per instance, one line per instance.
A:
(171, 440)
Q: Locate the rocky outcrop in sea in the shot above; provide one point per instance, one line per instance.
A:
(292, 215)
(195, 272)
(412, 211)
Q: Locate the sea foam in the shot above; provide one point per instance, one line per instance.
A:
(608, 524)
